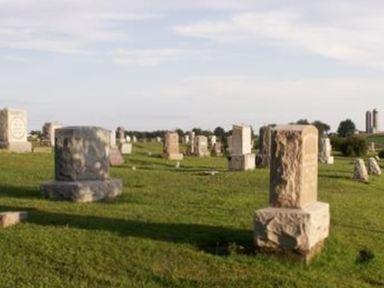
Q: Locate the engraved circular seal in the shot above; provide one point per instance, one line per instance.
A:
(17, 128)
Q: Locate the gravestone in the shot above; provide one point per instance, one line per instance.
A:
(360, 172)
(123, 144)
(201, 146)
(13, 131)
(241, 157)
(171, 146)
(217, 149)
(325, 154)
(186, 139)
(212, 140)
(82, 166)
(48, 133)
(115, 156)
(295, 223)
(372, 148)
(264, 155)
(373, 167)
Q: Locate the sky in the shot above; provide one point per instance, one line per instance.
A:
(166, 64)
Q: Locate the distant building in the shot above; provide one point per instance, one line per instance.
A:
(372, 122)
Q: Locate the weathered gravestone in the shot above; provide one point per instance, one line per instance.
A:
(82, 166)
(217, 149)
(48, 133)
(264, 155)
(124, 146)
(295, 223)
(171, 146)
(192, 143)
(115, 156)
(360, 171)
(373, 167)
(201, 146)
(13, 130)
(325, 154)
(240, 148)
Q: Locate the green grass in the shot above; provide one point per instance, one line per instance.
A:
(179, 228)
(377, 139)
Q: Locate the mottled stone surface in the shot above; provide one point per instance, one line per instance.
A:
(295, 230)
(81, 153)
(115, 157)
(125, 148)
(294, 164)
(13, 131)
(360, 171)
(373, 167)
(264, 156)
(241, 162)
(325, 153)
(83, 191)
(11, 218)
(241, 140)
(82, 166)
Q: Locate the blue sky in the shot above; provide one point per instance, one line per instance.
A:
(163, 64)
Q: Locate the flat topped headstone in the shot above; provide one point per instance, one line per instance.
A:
(294, 164)
(82, 166)
(241, 140)
(171, 146)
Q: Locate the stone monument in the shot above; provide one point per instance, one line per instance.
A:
(48, 133)
(295, 223)
(360, 171)
(12, 218)
(373, 167)
(264, 155)
(13, 130)
(124, 146)
(171, 146)
(115, 156)
(201, 146)
(325, 155)
(82, 166)
(217, 149)
(241, 157)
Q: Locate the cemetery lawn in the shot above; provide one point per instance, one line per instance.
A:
(180, 228)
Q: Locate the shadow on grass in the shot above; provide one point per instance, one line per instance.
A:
(333, 176)
(215, 240)
(19, 192)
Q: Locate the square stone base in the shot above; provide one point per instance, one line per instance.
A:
(241, 162)
(125, 148)
(18, 147)
(298, 232)
(11, 218)
(83, 191)
(173, 156)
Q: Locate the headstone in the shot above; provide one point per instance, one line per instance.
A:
(128, 138)
(212, 140)
(217, 149)
(48, 135)
(82, 166)
(134, 139)
(373, 167)
(372, 148)
(115, 156)
(241, 157)
(201, 146)
(360, 171)
(158, 139)
(186, 139)
(325, 154)
(264, 155)
(120, 134)
(11, 218)
(13, 131)
(192, 143)
(171, 146)
(295, 223)
(125, 148)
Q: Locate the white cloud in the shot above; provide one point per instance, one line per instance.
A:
(155, 57)
(355, 41)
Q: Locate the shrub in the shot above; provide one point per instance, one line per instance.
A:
(336, 142)
(381, 154)
(354, 146)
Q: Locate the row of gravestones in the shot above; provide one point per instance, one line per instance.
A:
(294, 221)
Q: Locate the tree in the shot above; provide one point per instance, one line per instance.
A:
(219, 132)
(346, 128)
(322, 127)
(302, 122)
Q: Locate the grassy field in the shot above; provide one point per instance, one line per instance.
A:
(179, 228)
(378, 139)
